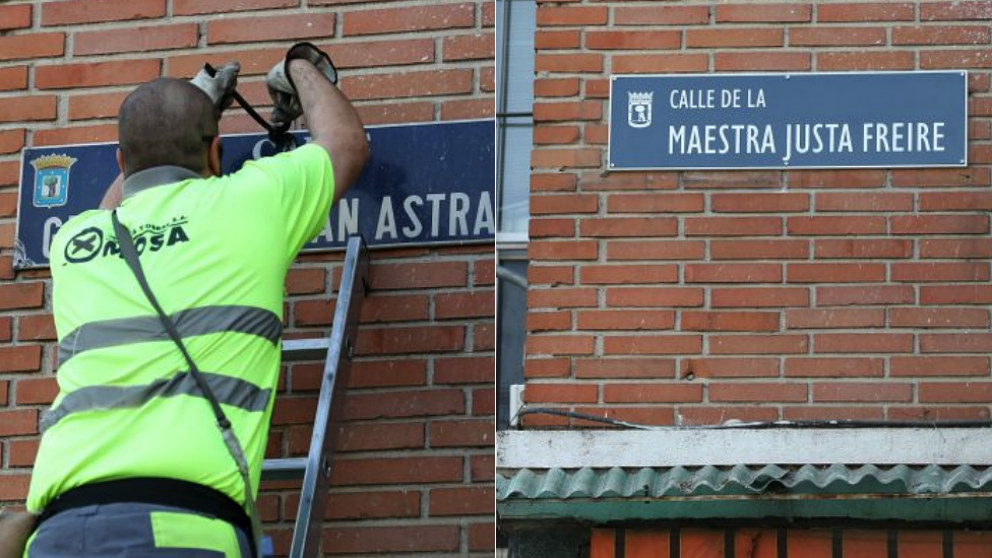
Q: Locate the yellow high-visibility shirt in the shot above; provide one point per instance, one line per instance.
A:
(215, 252)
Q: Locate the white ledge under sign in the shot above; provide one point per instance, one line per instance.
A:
(671, 447)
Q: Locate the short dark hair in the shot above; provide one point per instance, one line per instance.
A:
(166, 122)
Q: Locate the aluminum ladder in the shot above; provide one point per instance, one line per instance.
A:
(337, 350)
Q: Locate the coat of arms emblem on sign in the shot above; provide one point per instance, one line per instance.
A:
(639, 109)
(51, 180)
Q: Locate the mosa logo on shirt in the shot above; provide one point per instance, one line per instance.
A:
(90, 242)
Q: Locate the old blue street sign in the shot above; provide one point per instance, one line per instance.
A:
(782, 121)
(426, 184)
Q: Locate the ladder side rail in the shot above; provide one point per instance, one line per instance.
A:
(330, 406)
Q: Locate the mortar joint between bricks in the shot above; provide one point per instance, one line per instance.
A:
(69, 47)
(469, 338)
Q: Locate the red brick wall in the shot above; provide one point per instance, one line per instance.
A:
(748, 542)
(698, 297)
(415, 468)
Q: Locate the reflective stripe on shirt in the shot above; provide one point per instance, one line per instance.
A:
(228, 390)
(195, 321)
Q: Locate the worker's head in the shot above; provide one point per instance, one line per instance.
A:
(168, 122)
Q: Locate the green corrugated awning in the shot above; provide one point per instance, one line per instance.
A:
(935, 493)
(740, 480)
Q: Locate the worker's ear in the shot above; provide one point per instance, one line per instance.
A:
(214, 154)
(120, 160)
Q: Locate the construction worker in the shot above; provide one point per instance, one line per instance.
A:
(132, 462)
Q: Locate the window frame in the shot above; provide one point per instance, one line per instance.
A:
(509, 81)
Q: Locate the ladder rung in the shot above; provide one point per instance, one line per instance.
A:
(304, 349)
(284, 469)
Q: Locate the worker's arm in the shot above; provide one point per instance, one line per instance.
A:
(333, 122)
(114, 194)
(15, 528)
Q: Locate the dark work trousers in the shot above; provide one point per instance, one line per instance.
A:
(130, 530)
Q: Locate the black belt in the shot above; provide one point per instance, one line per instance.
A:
(153, 490)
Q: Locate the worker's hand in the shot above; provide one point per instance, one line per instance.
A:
(317, 57)
(281, 87)
(220, 86)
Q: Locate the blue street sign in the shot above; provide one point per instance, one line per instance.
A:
(425, 185)
(784, 121)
